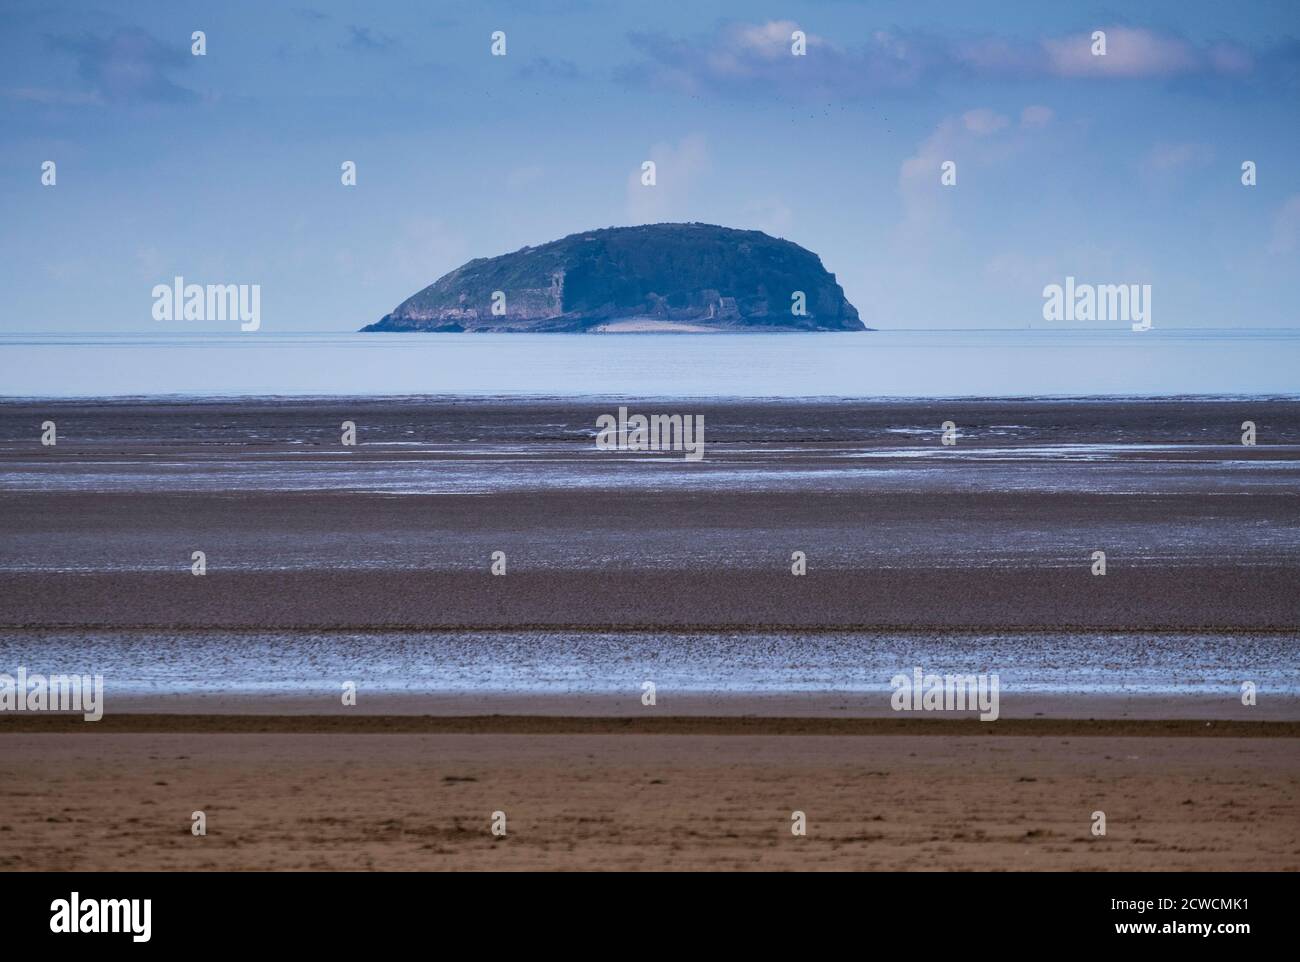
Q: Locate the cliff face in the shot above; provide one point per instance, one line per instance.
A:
(656, 277)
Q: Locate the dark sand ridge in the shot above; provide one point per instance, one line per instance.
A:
(1137, 706)
(646, 560)
(61, 723)
(903, 600)
(269, 420)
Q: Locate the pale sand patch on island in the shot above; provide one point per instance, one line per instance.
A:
(651, 325)
(644, 802)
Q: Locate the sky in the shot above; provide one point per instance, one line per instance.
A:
(226, 168)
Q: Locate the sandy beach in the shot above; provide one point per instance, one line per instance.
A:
(638, 802)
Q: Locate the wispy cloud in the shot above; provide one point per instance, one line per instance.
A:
(756, 59)
(544, 68)
(128, 66)
(1129, 53)
(1036, 115)
(53, 97)
(770, 214)
(1164, 158)
(971, 140)
(366, 40)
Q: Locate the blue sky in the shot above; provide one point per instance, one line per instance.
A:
(226, 168)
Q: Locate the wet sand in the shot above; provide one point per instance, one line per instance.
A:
(1199, 708)
(397, 535)
(641, 802)
(996, 531)
(948, 725)
(1189, 597)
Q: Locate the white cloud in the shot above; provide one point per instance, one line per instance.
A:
(1130, 52)
(959, 139)
(771, 39)
(676, 169)
(983, 121)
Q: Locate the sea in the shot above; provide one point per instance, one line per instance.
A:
(914, 363)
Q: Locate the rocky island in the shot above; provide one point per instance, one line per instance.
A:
(657, 277)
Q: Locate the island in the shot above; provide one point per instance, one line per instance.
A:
(684, 278)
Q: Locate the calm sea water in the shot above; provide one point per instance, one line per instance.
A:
(305, 662)
(879, 364)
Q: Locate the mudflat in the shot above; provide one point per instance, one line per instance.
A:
(521, 694)
(899, 530)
